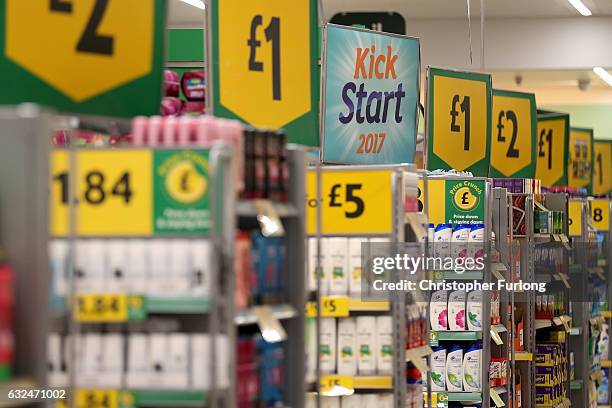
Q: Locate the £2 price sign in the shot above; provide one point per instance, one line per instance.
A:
(580, 163)
(371, 93)
(265, 54)
(99, 57)
(602, 167)
(459, 121)
(513, 139)
(552, 149)
(352, 202)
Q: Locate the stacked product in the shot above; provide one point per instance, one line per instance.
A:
(193, 87)
(519, 186)
(456, 368)
(551, 374)
(6, 322)
(152, 359)
(456, 311)
(457, 241)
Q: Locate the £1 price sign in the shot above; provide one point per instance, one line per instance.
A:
(602, 167)
(371, 94)
(580, 163)
(513, 139)
(352, 202)
(265, 54)
(552, 149)
(458, 121)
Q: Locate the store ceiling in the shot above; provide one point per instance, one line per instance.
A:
(181, 14)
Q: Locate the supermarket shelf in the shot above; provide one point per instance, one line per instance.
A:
(168, 398)
(447, 335)
(247, 208)
(576, 385)
(281, 312)
(606, 363)
(373, 382)
(465, 396)
(523, 356)
(358, 305)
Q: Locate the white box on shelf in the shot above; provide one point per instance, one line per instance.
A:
(159, 265)
(137, 360)
(112, 365)
(90, 265)
(137, 266)
(179, 272)
(158, 360)
(90, 357)
(201, 268)
(58, 260)
(57, 374)
(117, 266)
(347, 346)
(177, 374)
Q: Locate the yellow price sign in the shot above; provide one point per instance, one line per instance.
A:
(113, 192)
(336, 385)
(552, 149)
(331, 306)
(599, 209)
(101, 44)
(94, 398)
(459, 121)
(602, 167)
(513, 138)
(580, 164)
(265, 49)
(574, 220)
(93, 308)
(352, 201)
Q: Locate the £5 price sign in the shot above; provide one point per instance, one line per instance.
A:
(458, 121)
(265, 65)
(371, 95)
(580, 159)
(552, 149)
(602, 167)
(513, 138)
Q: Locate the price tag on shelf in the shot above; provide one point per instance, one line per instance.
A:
(552, 149)
(271, 329)
(433, 339)
(331, 306)
(438, 399)
(108, 307)
(459, 114)
(96, 398)
(353, 201)
(602, 167)
(513, 138)
(575, 218)
(336, 385)
(599, 209)
(495, 336)
(268, 51)
(580, 164)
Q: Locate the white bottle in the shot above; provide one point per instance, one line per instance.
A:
(456, 310)
(474, 310)
(438, 368)
(384, 345)
(454, 369)
(327, 348)
(472, 371)
(336, 265)
(366, 344)
(347, 350)
(355, 266)
(438, 313)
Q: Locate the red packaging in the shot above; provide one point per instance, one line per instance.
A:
(6, 316)
(171, 83)
(193, 85)
(243, 268)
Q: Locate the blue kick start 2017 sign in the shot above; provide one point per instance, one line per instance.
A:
(371, 96)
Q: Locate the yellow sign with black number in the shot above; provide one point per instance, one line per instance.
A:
(575, 218)
(94, 398)
(602, 167)
(113, 190)
(72, 39)
(336, 385)
(331, 306)
(580, 164)
(513, 134)
(352, 202)
(599, 209)
(551, 150)
(92, 308)
(264, 51)
(459, 121)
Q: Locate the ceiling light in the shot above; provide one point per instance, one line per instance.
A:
(603, 74)
(578, 5)
(195, 3)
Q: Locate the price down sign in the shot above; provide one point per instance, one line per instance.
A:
(552, 149)
(459, 121)
(514, 133)
(268, 51)
(580, 164)
(352, 202)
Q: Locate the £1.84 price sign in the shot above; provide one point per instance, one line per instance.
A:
(266, 53)
(352, 202)
(459, 118)
(513, 138)
(552, 149)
